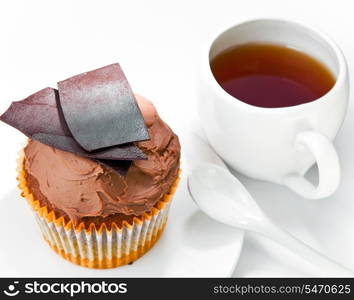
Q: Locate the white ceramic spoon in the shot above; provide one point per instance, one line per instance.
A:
(222, 197)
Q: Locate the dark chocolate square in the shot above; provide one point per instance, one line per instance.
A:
(100, 109)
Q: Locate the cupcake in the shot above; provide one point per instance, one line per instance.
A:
(101, 197)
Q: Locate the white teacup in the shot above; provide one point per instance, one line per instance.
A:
(277, 144)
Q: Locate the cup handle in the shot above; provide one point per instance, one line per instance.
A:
(328, 167)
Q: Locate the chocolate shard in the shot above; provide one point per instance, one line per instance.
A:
(67, 143)
(40, 118)
(100, 109)
(37, 113)
(118, 153)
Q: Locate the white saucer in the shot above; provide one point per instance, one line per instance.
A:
(192, 245)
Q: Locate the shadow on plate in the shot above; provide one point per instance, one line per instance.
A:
(202, 232)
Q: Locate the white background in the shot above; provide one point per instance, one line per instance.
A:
(157, 44)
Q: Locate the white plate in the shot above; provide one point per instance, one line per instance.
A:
(192, 245)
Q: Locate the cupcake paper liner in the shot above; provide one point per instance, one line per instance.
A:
(103, 247)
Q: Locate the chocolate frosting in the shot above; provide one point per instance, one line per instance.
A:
(80, 187)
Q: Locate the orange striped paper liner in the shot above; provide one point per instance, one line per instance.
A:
(102, 247)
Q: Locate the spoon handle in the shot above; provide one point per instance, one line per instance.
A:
(325, 265)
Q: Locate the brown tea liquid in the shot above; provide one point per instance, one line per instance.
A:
(269, 75)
